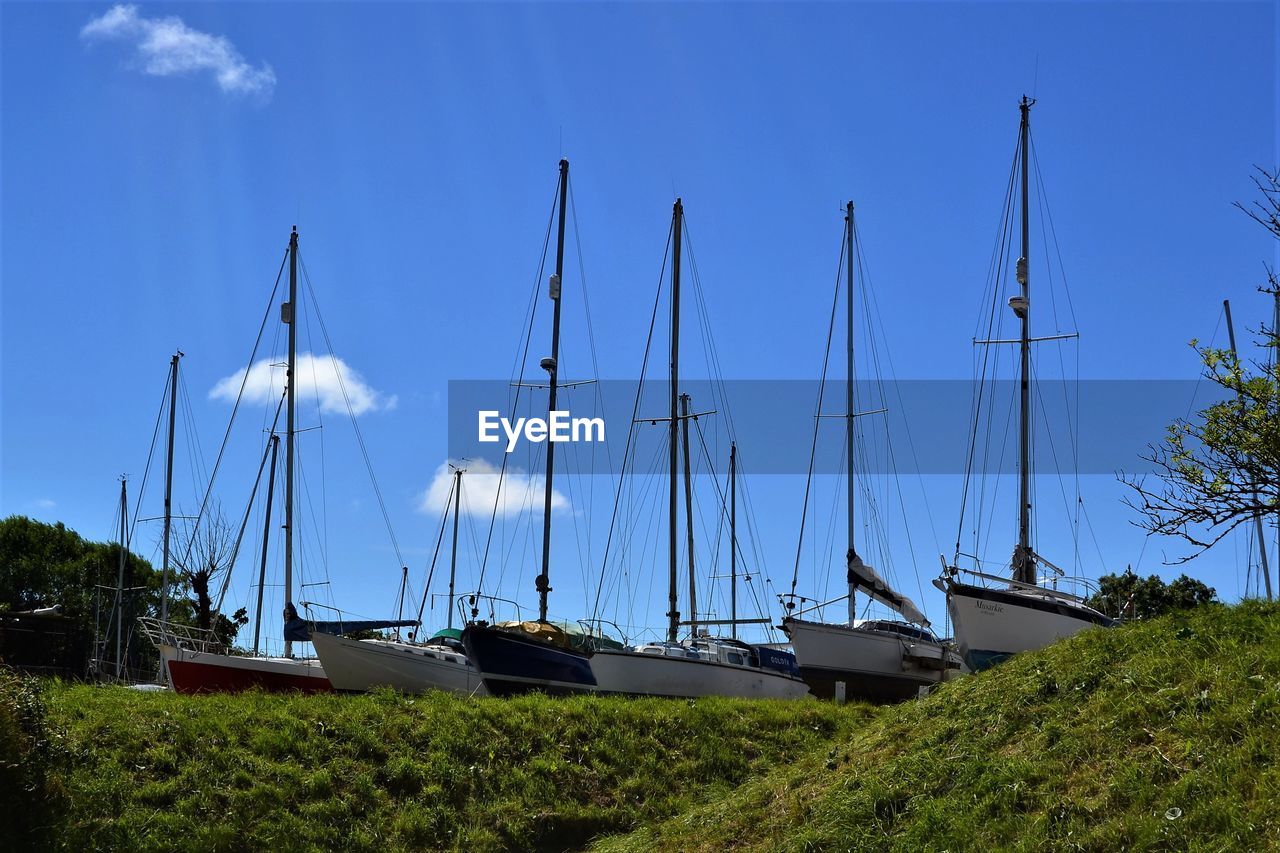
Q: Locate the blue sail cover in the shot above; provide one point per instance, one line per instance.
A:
(299, 630)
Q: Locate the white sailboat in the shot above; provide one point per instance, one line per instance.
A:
(361, 665)
(698, 666)
(193, 658)
(519, 656)
(439, 663)
(876, 660)
(1026, 611)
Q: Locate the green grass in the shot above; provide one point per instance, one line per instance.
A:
(386, 772)
(1163, 735)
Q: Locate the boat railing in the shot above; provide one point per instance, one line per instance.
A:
(468, 604)
(594, 629)
(1086, 584)
(788, 602)
(187, 637)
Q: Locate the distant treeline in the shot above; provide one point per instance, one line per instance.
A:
(47, 565)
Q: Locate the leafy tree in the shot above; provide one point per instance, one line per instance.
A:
(1221, 468)
(1126, 594)
(227, 628)
(47, 565)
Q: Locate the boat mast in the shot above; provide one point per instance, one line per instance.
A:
(1257, 518)
(168, 486)
(1275, 329)
(290, 316)
(551, 365)
(673, 609)
(266, 533)
(124, 521)
(688, 516)
(733, 538)
(1023, 562)
(851, 557)
(453, 558)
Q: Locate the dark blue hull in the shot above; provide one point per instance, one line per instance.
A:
(511, 663)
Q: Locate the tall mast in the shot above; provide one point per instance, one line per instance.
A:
(290, 316)
(1274, 360)
(1257, 518)
(266, 533)
(688, 517)
(1024, 569)
(733, 539)
(673, 607)
(551, 365)
(852, 555)
(168, 486)
(453, 557)
(124, 522)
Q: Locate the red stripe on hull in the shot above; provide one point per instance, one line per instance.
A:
(192, 677)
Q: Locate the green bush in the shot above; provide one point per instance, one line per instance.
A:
(28, 780)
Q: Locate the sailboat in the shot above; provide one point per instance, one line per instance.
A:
(884, 660)
(519, 656)
(1023, 612)
(195, 660)
(440, 663)
(698, 666)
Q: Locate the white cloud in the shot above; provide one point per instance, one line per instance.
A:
(44, 503)
(167, 46)
(320, 377)
(521, 492)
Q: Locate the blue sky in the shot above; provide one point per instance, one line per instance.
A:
(415, 146)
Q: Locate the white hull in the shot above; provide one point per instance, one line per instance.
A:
(873, 665)
(992, 624)
(639, 674)
(360, 665)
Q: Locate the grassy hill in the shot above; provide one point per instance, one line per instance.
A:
(385, 772)
(1161, 735)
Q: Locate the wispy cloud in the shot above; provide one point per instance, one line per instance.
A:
(320, 377)
(44, 503)
(520, 491)
(167, 46)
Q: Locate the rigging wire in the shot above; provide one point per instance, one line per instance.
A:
(995, 270)
(234, 410)
(817, 414)
(444, 518)
(523, 358)
(155, 433)
(627, 450)
(342, 385)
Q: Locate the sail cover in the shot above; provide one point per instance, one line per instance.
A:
(869, 581)
(300, 630)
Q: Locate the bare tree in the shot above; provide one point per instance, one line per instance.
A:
(1221, 468)
(205, 550)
